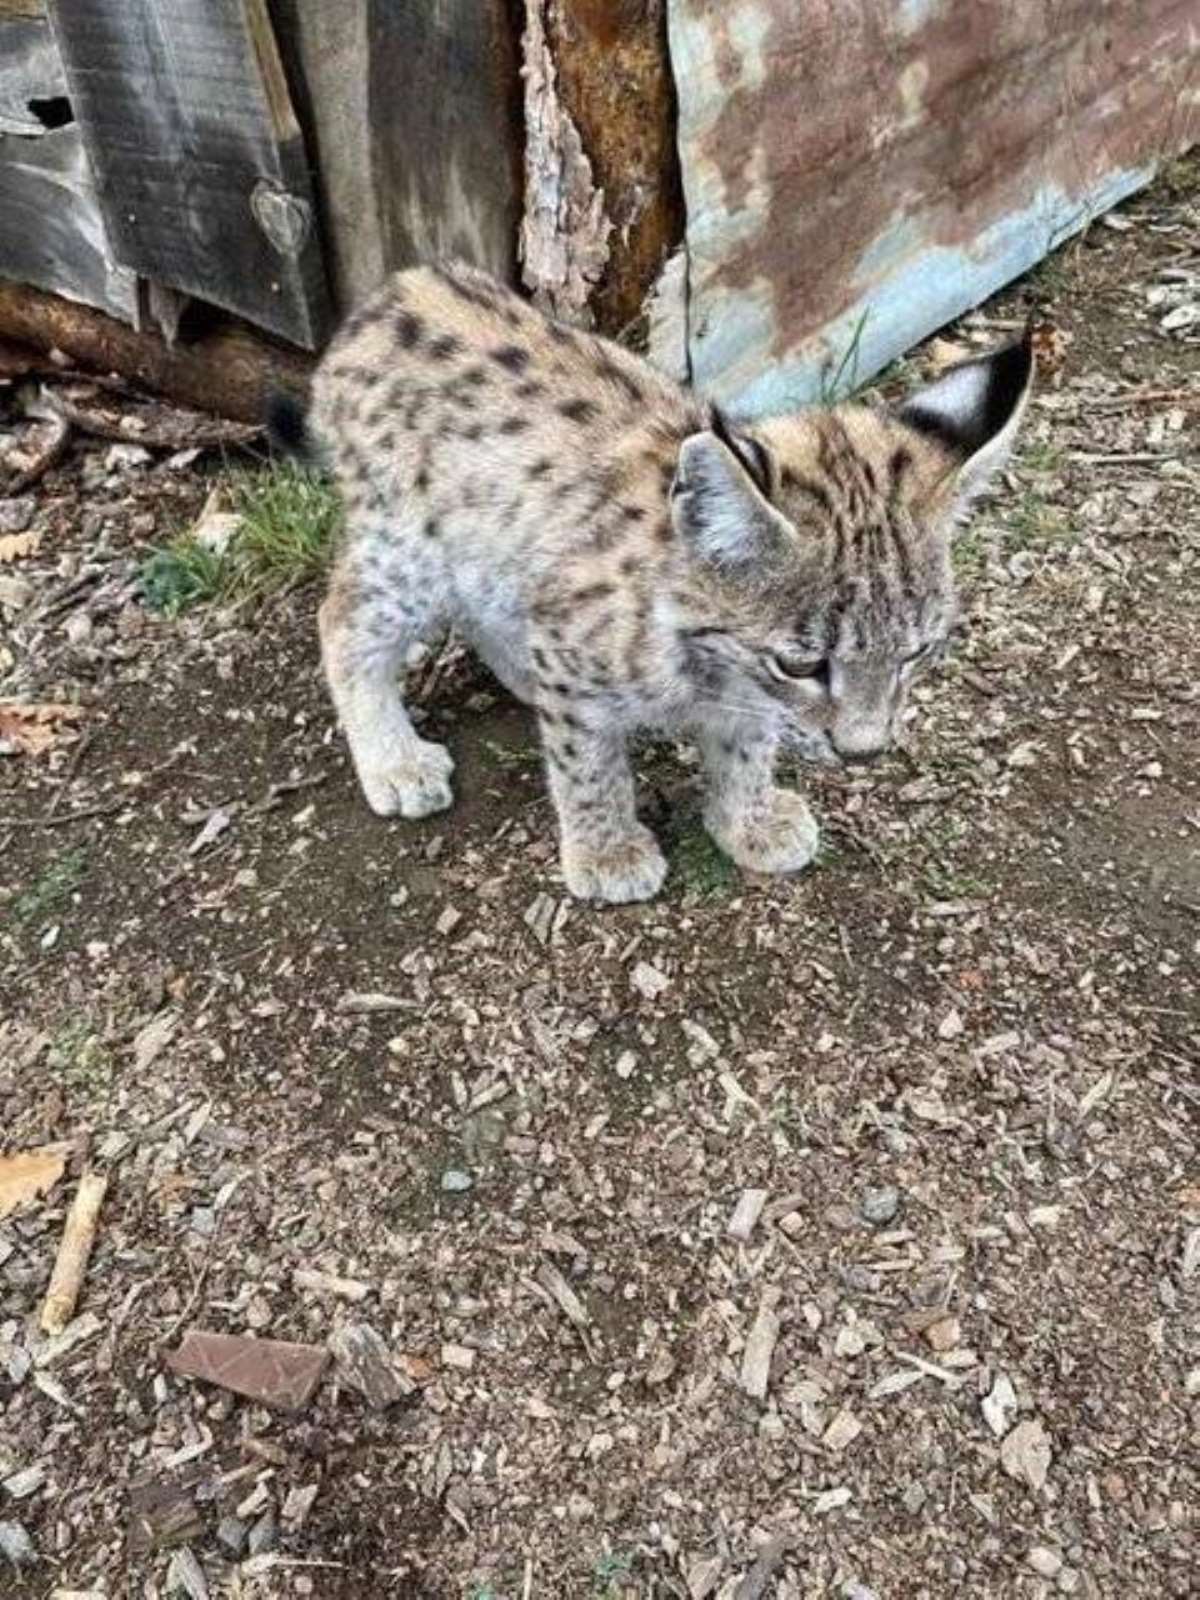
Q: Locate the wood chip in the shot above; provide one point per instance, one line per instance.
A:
(163, 1512)
(760, 1346)
(29, 1174)
(74, 1334)
(365, 1362)
(1025, 1453)
(270, 1371)
(329, 1283)
(185, 1575)
(459, 1356)
(999, 1406)
(754, 1584)
(70, 1266)
(564, 1297)
(831, 1500)
(842, 1431)
(371, 1004)
(649, 981)
(746, 1214)
(153, 1039)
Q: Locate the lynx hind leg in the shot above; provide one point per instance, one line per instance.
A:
(374, 612)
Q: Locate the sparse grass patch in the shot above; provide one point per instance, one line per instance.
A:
(78, 1057)
(697, 863)
(610, 1572)
(288, 519)
(57, 883)
(182, 574)
(1043, 455)
(1032, 524)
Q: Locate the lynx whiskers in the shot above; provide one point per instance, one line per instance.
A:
(624, 557)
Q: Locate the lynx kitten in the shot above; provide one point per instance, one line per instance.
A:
(623, 557)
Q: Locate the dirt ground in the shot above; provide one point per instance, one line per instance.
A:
(960, 1058)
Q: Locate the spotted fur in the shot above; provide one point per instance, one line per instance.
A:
(623, 557)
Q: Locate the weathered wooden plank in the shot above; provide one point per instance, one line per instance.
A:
(53, 231)
(858, 172)
(229, 372)
(444, 112)
(199, 159)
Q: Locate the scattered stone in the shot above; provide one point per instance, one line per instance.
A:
(264, 1535)
(455, 1181)
(270, 1371)
(24, 1483)
(831, 1500)
(626, 1065)
(842, 1431)
(15, 1545)
(951, 1026)
(297, 1505)
(231, 1534)
(448, 921)
(853, 1590)
(1025, 1453)
(661, 1367)
(459, 1356)
(372, 1003)
(1047, 1563)
(16, 513)
(185, 1575)
(649, 981)
(914, 1497)
(849, 1343)
(366, 1364)
(944, 1334)
(746, 1214)
(879, 1206)
(999, 1406)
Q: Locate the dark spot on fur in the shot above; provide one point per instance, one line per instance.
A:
(514, 425)
(560, 334)
(368, 377)
(421, 481)
(445, 346)
(387, 439)
(408, 329)
(666, 476)
(591, 592)
(532, 390)
(579, 410)
(630, 565)
(432, 530)
(570, 749)
(664, 530)
(473, 432)
(475, 376)
(539, 657)
(633, 513)
(511, 356)
(540, 468)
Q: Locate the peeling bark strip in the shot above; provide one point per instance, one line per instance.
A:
(565, 229)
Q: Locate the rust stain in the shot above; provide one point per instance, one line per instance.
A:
(862, 125)
(614, 78)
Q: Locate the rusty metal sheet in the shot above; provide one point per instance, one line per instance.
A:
(859, 172)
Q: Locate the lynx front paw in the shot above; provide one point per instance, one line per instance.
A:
(783, 837)
(415, 783)
(634, 869)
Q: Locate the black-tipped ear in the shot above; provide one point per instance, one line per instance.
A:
(974, 409)
(751, 452)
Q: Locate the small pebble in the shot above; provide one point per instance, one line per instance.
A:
(16, 1544)
(16, 514)
(456, 1182)
(231, 1533)
(1045, 1562)
(263, 1535)
(879, 1206)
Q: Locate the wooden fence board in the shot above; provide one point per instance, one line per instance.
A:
(199, 159)
(53, 230)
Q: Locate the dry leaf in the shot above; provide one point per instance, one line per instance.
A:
(1049, 348)
(15, 545)
(34, 728)
(30, 1173)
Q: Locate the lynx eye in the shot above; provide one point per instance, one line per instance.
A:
(790, 670)
(919, 654)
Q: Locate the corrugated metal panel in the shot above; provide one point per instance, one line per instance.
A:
(858, 172)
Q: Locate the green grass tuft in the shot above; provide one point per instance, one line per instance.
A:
(289, 520)
(697, 863)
